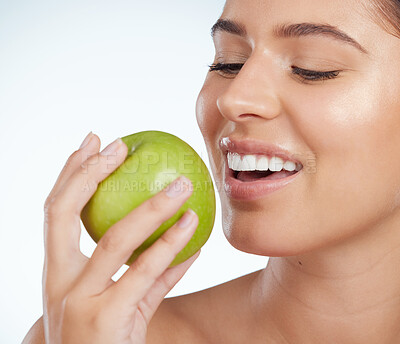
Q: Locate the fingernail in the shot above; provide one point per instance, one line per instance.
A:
(186, 219)
(86, 140)
(177, 187)
(112, 147)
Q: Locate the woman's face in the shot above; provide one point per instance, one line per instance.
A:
(345, 130)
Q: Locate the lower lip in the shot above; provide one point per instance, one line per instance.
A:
(252, 190)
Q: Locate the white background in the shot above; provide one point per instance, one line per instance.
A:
(113, 67)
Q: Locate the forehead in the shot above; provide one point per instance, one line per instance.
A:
(259, 16)
(309, 9)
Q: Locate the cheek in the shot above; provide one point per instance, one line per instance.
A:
(207, 114)
(353, 131)
(210, 123)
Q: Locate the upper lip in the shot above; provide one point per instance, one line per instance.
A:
(253, 146)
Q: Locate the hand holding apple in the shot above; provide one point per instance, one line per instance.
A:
(80, 299)
(154, 160)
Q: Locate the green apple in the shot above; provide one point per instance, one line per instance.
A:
(154, 160)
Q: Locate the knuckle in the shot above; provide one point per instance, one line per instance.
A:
(144, 266)
(96, 168)
(168, 239)
(155, 205)
(110, 242)
(89, 162)
(52, 208)
(76, 154)
(73, 160)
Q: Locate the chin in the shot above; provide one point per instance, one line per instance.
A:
(271, 236)
(257, 237)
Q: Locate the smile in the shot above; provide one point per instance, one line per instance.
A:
(250, 175)
(252, 167)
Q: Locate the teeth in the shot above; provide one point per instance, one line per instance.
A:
(251, 162)
(230, 160)
(289, 166)
(275, 164)
(262, 164)
(235, 161)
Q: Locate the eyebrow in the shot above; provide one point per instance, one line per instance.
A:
(289, 31)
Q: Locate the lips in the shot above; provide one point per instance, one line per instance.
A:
(255, 189)
(252, 146)
(249, 189)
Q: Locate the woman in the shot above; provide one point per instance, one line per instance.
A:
(315, 83)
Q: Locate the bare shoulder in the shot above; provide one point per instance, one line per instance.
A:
(167, 326)
(202, 317)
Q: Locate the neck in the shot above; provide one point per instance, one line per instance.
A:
(348, 293)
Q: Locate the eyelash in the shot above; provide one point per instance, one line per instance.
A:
(307, 75)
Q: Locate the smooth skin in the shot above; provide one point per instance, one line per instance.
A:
(333, 234)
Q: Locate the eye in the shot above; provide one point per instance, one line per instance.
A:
(231, 69)
(311, 75)
(226, 69)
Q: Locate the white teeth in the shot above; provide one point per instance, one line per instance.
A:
(236, 162)
(251, 162)
(289, 166)
(262, 164)
(230, 162)
(275, 164)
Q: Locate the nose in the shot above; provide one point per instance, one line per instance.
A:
(252, 93)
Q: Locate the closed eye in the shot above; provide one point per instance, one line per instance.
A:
(231, 69)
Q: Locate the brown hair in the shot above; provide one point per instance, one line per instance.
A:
(386, 13)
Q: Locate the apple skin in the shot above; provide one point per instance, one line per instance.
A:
(154, 160)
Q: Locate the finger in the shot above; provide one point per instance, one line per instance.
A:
(89, 146)
(121, 239)
(137, 281)
(62, 215)
(162, 286)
